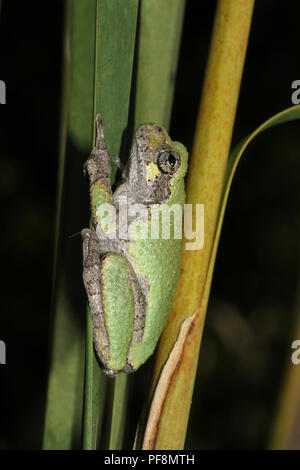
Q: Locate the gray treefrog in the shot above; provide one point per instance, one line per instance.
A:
(131, 268)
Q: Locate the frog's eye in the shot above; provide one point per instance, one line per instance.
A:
(168, 161)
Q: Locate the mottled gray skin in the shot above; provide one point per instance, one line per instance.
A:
(137, 189)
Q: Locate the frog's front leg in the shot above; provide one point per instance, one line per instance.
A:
(98, 169)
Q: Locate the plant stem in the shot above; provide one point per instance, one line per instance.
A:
(204, 186)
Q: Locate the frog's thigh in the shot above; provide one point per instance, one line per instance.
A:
(120, 294)
(92, 281)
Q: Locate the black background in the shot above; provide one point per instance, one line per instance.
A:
(253, 305)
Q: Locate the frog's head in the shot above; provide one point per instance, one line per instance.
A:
(155, 164)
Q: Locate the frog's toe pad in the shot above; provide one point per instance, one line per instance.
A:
(128, 369)
(86, 233)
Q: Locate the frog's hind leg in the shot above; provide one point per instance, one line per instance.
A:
(116, 302)
(92, 283)
(124, 307)
(139, 319)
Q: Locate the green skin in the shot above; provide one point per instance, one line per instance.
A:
(131, 283)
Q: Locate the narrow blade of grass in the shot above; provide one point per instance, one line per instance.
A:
(159, 40)
(115, 28)
(94, 394)
(65, 387)
(118, 412)
(284, 429)
(99, 47)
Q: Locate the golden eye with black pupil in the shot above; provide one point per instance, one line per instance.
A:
(168, 161)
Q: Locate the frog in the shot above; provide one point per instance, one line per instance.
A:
(130, 280)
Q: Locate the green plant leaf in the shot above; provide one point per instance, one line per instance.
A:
(115, 28)
(289, 114)
(98, 56)
(285, 414)
(65, 386)
(94, 393)
(118, 412)
(159, 40)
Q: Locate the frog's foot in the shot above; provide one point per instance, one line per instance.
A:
(128, 369)
(97, 165)
(86, 233)
(110, 373)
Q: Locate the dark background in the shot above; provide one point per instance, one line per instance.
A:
(250, 320)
